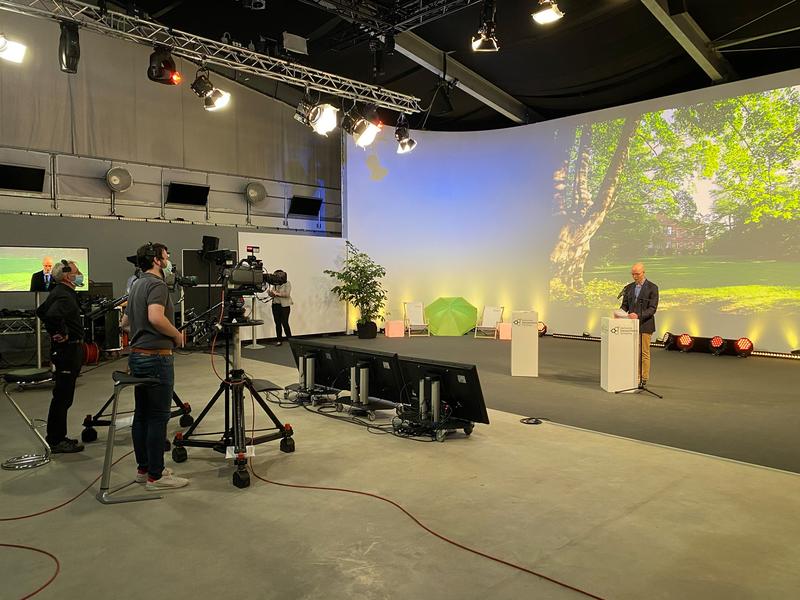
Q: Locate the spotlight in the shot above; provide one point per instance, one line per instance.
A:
(486, 40)
(69, 47)
(214, 98)
(542, 328)
(547, 12)
(716, 345)
(404, 142)
(363, 129)
(162, 68)
(11, 51)
(320, 117)
(743, 347)
(684, 342)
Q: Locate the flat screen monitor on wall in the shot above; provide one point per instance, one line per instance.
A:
(187, 194)
(22, 267)
(304, 207)
(24, 179)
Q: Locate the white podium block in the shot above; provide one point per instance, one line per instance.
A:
(619, 354)
(524, 343)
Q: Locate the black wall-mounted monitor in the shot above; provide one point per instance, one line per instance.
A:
(187, 194)
(24, 179)
(460, 388)
(304, 206)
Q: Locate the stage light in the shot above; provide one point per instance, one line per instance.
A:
(11, 51)
(743, 347)
(542, 328)
(364, 130)
(486, 40)
(320, 117)
(213, 98)
(684, 342)
(547, 12)
(69, 47)
(716, 345)
(162, 68)
(404, 142)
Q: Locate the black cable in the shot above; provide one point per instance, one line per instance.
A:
(533, 420)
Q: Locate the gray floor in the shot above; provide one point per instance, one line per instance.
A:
(744, 409)
(615, 517)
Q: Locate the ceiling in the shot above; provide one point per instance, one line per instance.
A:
(602, 53)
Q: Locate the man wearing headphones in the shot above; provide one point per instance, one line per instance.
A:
(61, 316)
(151, 317)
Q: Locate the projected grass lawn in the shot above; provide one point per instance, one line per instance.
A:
(730, 286)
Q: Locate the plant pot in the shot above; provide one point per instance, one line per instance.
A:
(367, 331)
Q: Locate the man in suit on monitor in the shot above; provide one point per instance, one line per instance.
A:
(42, 281)
(640, 301)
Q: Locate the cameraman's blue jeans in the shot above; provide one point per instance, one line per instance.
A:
(152, 410)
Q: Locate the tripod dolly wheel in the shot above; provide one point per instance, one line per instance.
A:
(440, 435)
(179, 454)
(468, 428)
(339, 407)
(241, 479)
(89, 434)
(186, 420)
(371, 415)
(287, 445)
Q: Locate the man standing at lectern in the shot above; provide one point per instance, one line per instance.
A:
(640, 301)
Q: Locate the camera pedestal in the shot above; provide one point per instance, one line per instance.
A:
(234, 436)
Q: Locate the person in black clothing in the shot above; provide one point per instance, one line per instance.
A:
(61, 316)
(42, 281)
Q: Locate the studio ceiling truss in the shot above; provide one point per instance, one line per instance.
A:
(210, 52)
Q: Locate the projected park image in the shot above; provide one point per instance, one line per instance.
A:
(707, 195)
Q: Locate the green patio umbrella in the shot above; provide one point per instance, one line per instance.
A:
(451, 316)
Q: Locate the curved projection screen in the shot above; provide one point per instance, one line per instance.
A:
(703, 187)
(19, 264)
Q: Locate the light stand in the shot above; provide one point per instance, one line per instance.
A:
(234, 440)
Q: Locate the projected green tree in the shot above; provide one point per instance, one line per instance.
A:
(627, 188)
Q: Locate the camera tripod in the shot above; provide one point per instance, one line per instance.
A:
(234, 441)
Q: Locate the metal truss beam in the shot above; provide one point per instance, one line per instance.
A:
(210, 52)
(680, 24)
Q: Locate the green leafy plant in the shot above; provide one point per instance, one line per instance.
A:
(360, 283)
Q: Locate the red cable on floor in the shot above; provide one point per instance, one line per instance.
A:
(429, 530)
(46, 553)
(78, 495)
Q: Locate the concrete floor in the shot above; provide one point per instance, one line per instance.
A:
(614, 517)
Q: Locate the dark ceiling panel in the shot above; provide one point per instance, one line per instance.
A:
(603, 53)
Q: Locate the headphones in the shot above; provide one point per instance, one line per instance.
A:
(65, 268)
(145, 256)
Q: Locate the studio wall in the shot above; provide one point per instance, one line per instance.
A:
(704, 187)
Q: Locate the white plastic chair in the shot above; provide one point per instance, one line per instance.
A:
(414, 317)
(486, 327)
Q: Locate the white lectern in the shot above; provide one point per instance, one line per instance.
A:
(524, 343)
(619, 354)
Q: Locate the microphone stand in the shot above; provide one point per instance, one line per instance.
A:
(642, 387)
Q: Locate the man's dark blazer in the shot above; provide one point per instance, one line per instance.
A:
(37, 282)
(645, 306)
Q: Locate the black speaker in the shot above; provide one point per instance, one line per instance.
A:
(210, 243)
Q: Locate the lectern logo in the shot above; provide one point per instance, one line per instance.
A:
(615, 330)
(525, 322)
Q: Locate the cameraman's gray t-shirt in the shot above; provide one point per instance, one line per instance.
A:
(147, 290)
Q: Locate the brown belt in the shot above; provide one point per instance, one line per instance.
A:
(153, 351)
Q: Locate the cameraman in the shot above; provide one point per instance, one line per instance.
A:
(150, 316)
(61, 316)
(281, 305)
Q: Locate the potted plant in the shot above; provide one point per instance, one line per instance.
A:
(360, 285)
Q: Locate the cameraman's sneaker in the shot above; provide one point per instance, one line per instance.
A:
(66, 447)
(168, 481)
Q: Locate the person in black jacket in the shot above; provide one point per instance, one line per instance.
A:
(61, 316)
(42, 281)
(640, 301)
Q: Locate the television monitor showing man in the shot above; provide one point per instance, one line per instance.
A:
(459, 387)
(28, 268)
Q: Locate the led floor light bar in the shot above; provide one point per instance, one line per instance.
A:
(210, 52)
